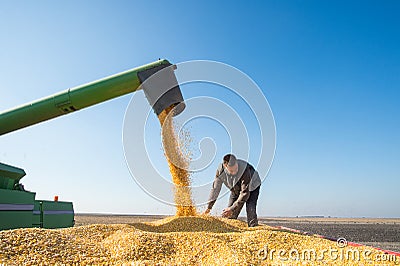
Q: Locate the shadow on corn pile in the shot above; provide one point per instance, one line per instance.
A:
(189, 224)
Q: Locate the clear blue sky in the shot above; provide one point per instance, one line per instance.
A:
(330, 70)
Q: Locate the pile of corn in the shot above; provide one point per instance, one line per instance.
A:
(178, 162)
(201, 240)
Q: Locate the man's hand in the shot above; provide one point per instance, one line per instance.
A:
(207, 211)
(227, 213)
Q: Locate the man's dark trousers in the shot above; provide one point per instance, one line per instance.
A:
(251, 205)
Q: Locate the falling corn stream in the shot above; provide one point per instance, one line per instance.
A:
(178, 162)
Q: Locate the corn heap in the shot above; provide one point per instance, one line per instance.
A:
(194, 240)
(178, 162)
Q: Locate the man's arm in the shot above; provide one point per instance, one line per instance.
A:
(244, 191)
(215, 190)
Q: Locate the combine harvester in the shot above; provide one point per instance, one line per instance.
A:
(18, 208)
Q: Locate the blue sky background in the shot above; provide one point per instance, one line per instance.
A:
(330, 71)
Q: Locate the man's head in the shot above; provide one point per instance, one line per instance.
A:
(230, 164)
